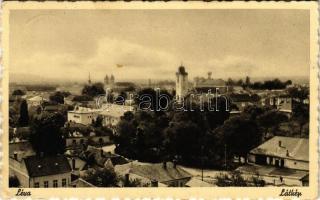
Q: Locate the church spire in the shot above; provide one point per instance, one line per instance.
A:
(89, 79)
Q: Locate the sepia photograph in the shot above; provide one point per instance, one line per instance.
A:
(161, 97)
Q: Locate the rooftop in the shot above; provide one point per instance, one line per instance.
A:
(273, 171)
(285, 147)
(48, 165)
(154, 171)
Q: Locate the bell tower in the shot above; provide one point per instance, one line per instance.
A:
(181, 83)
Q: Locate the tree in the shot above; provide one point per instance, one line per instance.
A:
(183, 139)
(240, 134)
(57, 97)
(24, 114)
(46, 134)
(152, 100)
(82, 98)
(14, 181)
(18, 93)
(271, 118)
(247, 82)
(102, 177)
(299, 93)
(301, 114)
(231, 179)
(98, 122)
(94, 90)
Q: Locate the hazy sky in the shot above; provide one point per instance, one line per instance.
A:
(152, 43)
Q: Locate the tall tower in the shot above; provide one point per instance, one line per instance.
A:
(181, 83)
(106, 80)
(111, 80)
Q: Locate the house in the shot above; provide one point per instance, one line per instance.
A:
(20, 149)
(282, 102)
(166, 174)
(280, 161)
(196, 182)
(77, 140)
(275, 176)
(36, 101)
(112, 113)
(101, 157)
(81, 183)
(279, 151)
(240, 101)
(82, 115)
(41, 171)
(202, 84)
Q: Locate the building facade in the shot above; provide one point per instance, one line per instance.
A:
(181, 83)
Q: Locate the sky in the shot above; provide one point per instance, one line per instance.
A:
(68, 44)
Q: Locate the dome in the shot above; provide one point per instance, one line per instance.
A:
(182, 70)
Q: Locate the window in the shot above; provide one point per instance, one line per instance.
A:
(64, 182)
(36, 184)
(46, 184)
(55, 183)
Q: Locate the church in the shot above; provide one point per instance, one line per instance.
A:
(200, 87)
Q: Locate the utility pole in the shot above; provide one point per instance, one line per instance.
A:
(225, 156)
(202, 162)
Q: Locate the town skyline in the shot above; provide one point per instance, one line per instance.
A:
(278, 40)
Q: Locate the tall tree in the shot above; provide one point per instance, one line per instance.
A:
(94, 89)
(240, 134)
(24, 114)
(102, 177)
(301, 114)
(57, 97)
(271, 118)
(18, 92)
(47, 134)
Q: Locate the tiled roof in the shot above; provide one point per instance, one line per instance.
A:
(243, 98)
(115, 110)
(47, 165)
(297, 148)
(81, 183)
(195, 182)
(273, 171)
(154, 171)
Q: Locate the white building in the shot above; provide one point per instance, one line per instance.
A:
(181, 84)
(280, 161)
(35, 101)
(45, 172)
(82, 115)
(112, 113)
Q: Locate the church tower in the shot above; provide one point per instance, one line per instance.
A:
(111, 82)
(181, 83)
(106, 80)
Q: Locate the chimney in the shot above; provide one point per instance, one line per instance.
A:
(164, 164)
(154, 183)
(15, 155)
(101, 152)
(280, 143)
(126, 179)
(174, 163)
(73, 164)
